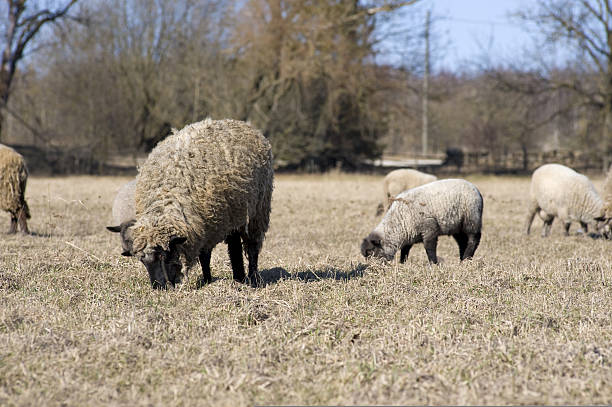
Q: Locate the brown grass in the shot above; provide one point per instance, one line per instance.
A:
(527, 321)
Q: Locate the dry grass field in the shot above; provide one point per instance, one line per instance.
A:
(528, 321)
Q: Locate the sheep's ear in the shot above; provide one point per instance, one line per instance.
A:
(115, 229)
(600, 218)
(176, 240)
(126, 253)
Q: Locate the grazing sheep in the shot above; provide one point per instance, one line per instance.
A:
(446, 207)
(209, 182)
(605, 226)
(13, 179)
(557, 190)
(398, 181)
(124, 216)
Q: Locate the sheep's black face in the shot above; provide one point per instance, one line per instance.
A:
(164, 266)
(372, 246)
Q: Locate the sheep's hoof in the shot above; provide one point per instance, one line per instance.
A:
(254, 281)
(202, 282)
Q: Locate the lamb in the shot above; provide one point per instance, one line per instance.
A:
(606, 228)
(557, 190)
(124, 216)
(210, 182)
(398, 181)
(13, 179)
(446, 207)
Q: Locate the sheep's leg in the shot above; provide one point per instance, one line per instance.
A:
(585, 227)
(13, 228)
(473, 240)
(252, 249)
(234, 249)
(462, 240)
(205, 263)
(566, 227)
(533, 208)
(431, 242)
(547, 225)
(404, 253)
(23, 224)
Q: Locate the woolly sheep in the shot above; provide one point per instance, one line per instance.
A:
(124, 216)
(606, 228)
(209, 182)
(13, 179)
(557, 190)
(398, 181)
(446, 207)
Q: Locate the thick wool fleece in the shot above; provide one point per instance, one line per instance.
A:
(455, 205)
(13, 179)
(123, 205)
(560, 191)
(202, 183)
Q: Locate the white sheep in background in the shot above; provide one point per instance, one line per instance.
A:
(124, 216)
(421, 214)
(557, 190)
(398, 181)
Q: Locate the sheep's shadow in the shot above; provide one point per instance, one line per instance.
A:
(276, 274)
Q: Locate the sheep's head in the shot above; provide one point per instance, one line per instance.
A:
(125, 232)
(164, 266)
(604, 227)
(373, 245)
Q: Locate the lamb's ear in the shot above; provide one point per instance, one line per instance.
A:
(115, 229)
(126, 253)
(176, 240)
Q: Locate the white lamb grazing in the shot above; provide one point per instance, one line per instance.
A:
(557, 190)
(447, 207)
(398, 181)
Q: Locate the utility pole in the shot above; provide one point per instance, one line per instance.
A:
(426, 85)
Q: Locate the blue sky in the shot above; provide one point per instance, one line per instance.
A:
(475, 27)
(468, 30)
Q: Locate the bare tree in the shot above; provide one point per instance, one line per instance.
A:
(584, 29)
(21, 28)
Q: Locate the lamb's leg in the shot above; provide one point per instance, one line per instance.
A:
(533, 208)
(566, 227)
(13, 228)
(547, 225)
(234, 249)
(461, 238)
(431, 242)
(23, 224)
(205, 263)
(404, 253)
(473, 240)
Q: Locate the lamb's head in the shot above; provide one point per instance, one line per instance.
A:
(125, 232)
(374, 245)
(163, 265)
(604, 226)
